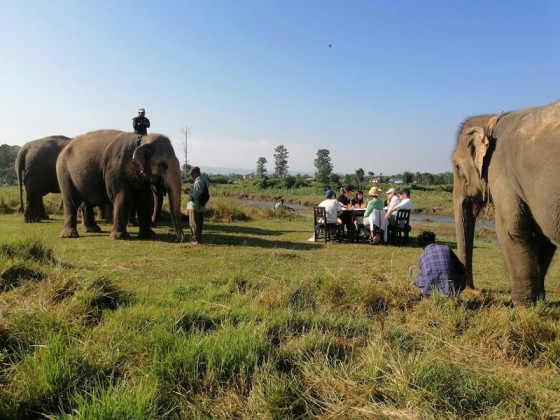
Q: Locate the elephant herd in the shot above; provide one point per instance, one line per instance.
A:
(509, 160)
(99, 168)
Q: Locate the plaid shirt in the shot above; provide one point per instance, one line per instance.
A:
(440, 269)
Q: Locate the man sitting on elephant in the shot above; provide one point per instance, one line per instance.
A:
(141, 123)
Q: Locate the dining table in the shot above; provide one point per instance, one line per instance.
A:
(353, 213)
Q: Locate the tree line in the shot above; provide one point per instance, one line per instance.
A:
(324, 172)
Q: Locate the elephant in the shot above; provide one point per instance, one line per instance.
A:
(36, 171)
(510, 160)
(120, 168)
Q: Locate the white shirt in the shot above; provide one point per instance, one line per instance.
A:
(393, 203)
(405, 204)
(332, 207)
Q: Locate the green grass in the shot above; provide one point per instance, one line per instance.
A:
(259, 322)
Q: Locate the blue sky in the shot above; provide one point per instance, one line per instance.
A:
(247, 76)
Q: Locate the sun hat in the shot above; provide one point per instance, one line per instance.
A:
(374, 191)
(329, 193)
(391, 190)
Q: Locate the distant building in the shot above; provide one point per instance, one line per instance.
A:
(374, 180)
(398, 181)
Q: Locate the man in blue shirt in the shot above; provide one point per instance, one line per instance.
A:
(439, 269)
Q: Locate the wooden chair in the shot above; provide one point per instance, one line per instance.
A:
(401, 229)
(322, 229)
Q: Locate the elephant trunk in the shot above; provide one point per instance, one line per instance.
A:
(172, 183)
(465, 219)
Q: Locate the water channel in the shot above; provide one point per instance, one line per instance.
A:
(413, 217)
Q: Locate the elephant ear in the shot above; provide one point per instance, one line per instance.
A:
(140, 157)
(479, 144)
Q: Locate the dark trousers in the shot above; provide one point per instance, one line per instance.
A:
(196, 220)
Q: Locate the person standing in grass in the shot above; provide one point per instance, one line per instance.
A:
(197, 204)
(439, 269)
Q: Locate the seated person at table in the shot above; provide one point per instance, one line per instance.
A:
(345, 198)
(392, 199)
(358, 199)
(333, 208)
(438, 269)
(405, 204)
(373, 204)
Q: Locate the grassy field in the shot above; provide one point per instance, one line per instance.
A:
(259, 322)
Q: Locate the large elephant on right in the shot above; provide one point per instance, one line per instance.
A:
(36, 171)
(120, 168)
(512, 161)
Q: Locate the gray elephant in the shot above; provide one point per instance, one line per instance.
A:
(36, 171)
(110, 166)
(511, 160)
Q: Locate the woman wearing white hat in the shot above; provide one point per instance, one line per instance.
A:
(392, 199)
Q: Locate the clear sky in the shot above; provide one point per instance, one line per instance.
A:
(383, 85)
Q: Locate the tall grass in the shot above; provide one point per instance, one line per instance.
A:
(258, 322)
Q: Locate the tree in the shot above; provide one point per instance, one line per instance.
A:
(408, 177)
(360, 176)
(186, 166)
(323, 165)
(7, 160)
(280, 161)
(261, 169)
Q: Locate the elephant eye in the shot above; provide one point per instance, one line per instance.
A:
(162, 166)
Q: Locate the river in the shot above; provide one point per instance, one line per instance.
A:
(413, 217)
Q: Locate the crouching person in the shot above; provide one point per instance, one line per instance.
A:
(439, 269)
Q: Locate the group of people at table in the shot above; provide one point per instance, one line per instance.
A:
(438, 268)
(355, 215)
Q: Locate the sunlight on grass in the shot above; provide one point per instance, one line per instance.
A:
(259, 322)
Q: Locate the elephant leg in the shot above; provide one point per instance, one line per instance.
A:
(527, 255)
(70, 203)
(144, 204)
(132, 217)
(545, 254)
(43, 211)
(100, 212)
(121, 208)
(88, 218)
(33, 208)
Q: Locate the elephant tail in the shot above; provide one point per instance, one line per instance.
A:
(20, 165)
